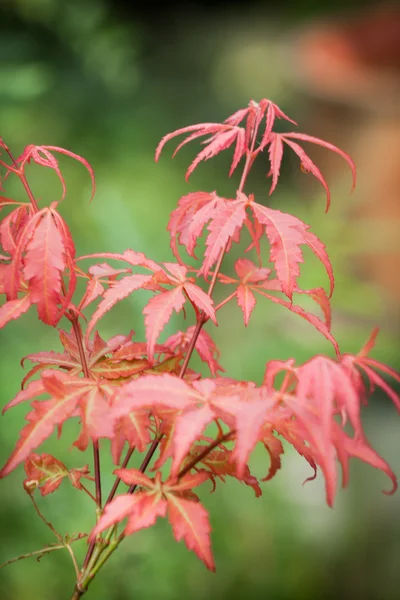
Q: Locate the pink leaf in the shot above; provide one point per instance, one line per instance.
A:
(189, 521)
(44, 265)
(201, 300)
(154, 390)
(14, 309)
(158, 312)
(275, 152)
(134, 477)
(246, 301)
(118, 291)
(227, 220)
(188, 427)
(114, 512)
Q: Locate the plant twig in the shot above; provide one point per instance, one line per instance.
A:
(45, 521)
(37, 553)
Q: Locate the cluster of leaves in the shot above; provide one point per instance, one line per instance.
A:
(143, 395)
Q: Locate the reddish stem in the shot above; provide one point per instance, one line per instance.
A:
(23, 180)
(118, 479)
(85, 368)
(146, 460)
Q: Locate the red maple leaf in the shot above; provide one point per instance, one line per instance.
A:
(188, 518)
(47, 472)
(223, 135)
(256, 280)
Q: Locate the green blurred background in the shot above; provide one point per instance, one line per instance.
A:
(107, 79)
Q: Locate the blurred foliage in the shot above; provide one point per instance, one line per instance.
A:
(107, 80)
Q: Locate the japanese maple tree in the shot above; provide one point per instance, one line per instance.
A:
(143, 395)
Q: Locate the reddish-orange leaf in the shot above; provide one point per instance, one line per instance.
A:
(114, 512)
(46, 471)
(148, 391)
(188, 428)
(13, 309)
(148, 508)
(227, 220)
(189, 521)
(309, 165)
(44, 266)
(45, 415)
(95, 416)
(118, 291)
(158, 312)
(33, 390)
(286, 234)
(201, 300)
(205, 347)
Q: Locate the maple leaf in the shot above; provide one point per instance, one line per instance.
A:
(286, 234)
(315, 393)
(68, 395)
(133, 428)
(308, 165)
(255, 279)
(190, 522)
(44, 266)
(42, 155)
(47, 472)
(362, 363)
(224, 135)
(221, 465)
(41, 251)
(198, 404)
(13, 309)
(204, 346)
(117, 291)
(42, 419)
(12, 225)
(274, 448)
(187, 221)
(226, 221)
(99, 366)
(159, 309)
(188, 518)
(148, 391)
(158, 312)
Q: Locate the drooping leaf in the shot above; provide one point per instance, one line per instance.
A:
(189, 521)
(286, 234)
(44, 416)
(44, 265)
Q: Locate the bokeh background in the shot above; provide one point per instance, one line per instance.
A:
(107, 79)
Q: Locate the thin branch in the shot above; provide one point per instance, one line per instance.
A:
(118, 479)
(43, 518)
(72, 555)
(85, 369)
(37, 553)
(147, 459)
